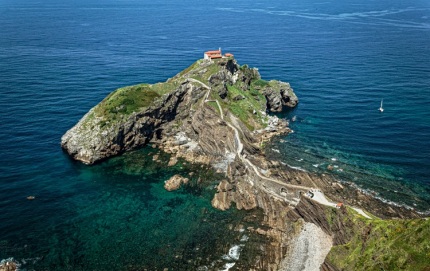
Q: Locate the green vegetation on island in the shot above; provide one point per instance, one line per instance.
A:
(244, 98)
(205, 114)
(129, 117)
(377, 244)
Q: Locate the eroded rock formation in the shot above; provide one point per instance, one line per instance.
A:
(175, 182)
(215, 113)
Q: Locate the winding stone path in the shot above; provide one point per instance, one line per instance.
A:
(318, 195)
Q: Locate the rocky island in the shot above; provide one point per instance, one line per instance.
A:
(217, 113)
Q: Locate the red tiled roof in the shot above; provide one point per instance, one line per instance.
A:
(228, 54)
(215, 56)
(213, 52)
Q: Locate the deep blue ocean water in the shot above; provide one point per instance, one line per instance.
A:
(60, 58)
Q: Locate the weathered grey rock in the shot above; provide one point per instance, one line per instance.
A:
(219, 82)
(289, 98)
(95, 138)
(246, 76)
(222, 90)
(279, 94)
(274, 99)
(89, 141)
(312, 212)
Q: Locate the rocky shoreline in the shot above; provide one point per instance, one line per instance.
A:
(215, 113)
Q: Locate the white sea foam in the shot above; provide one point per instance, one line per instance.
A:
(298, 168)
(376, 16)
(225, 257)
(244, 238)
(234, 252)
(227, 266)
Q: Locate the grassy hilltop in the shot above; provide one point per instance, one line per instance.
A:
(244, 98)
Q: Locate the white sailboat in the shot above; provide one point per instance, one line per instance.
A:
(381, 109)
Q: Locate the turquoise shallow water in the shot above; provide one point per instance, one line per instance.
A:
(118, 215)
(58, 59)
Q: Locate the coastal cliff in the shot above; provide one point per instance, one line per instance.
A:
(216, 112)
(131, 117)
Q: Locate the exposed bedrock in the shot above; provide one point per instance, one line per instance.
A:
(175, 182)
(102, 133)
(215, 113)
(90, 141)
(278, 95)
(312, 212)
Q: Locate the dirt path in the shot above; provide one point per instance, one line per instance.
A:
(318, 195)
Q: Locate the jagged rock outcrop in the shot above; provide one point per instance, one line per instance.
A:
(104, 132)
(219, 82)
(214, 113)
(246, 77)
(189, 121)
(223, 198)
(278, 95)
(175, 182)
(338, 227)
(91, 140)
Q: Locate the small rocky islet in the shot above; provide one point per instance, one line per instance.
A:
(217, 113)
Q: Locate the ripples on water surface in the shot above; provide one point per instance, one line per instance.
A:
(58, 59)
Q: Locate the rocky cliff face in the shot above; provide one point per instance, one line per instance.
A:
(99, 135)
(215, 112)
(92, 140)
(276, 100)
(201, 119)
(333, 222)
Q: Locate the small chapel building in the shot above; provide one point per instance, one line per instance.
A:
(215, 54)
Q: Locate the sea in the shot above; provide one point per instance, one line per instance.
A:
(60, 58)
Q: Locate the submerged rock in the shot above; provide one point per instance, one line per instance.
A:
(173, 160)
